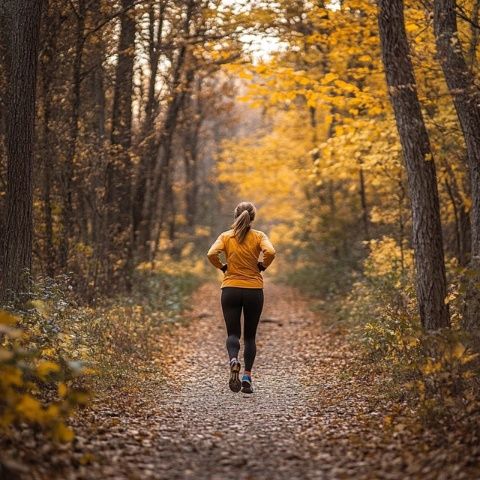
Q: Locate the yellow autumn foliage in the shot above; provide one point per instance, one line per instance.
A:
(387, 258)
(23, 372)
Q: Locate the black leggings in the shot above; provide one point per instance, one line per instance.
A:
(233, 300)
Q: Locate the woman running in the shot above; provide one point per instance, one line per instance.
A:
(242, 287)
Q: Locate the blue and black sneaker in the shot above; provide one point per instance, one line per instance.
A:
(234, 382)
(247, 384)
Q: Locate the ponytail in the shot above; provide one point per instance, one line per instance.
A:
(244, 215)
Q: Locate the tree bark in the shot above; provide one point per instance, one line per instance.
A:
(17, 240)
(364, 204)
(466, 98)
(422, 181)
(47, 70)
(461, 214)
(121, 135)
(472, 51)
(122, 101)
(68, 171)
(97, 83)
(119, 170)
(4, 67)
(191, 155)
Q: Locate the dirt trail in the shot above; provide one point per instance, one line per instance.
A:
(309, 418)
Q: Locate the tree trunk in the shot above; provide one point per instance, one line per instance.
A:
(17, 240)
(68, 171)
(119, 170)
(122, 101)
(422, 181)
(466, 98)
(5, 26)
(97, 83)
(472, 51)
(191, 156)
(98, 164)
(47, 69)
(364, 205)
(155, 50)
(462, 219)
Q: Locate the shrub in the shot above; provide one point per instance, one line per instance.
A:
(35, 388)
(436, 368)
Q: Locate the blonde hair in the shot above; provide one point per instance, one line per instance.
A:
(244, 214)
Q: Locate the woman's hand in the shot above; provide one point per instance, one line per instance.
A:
(261, 267)
(224, 268)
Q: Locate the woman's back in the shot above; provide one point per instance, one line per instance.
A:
(242, 257)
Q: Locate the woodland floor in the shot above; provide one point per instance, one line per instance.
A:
(314, 415)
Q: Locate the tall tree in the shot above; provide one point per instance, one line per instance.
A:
(472, 50)
(427, 231)
(119, 170)
(466, 98)
(16, 260)
(121, 135)
(68, 170)
(191, 142)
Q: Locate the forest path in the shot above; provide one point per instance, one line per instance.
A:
(310, 417)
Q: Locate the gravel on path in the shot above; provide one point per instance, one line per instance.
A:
(312, 416)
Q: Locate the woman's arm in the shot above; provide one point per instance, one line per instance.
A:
(214, 252)
(267, 249)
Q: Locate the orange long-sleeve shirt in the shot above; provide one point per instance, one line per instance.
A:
(242, 258)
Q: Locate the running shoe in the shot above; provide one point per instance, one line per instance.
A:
(247, 384)
(234, 382)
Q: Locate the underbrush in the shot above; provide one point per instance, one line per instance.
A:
(37, 387)
(55, 352)
(434, 371)
(433, 374)
(323, 281)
